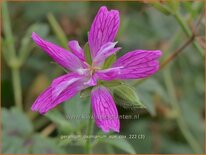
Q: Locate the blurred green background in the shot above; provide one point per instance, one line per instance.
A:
(173, 121)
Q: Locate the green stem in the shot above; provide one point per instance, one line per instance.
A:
(179, 119)
(13, 62)
(187, 31)
(88, 145)
(57, 30)
(7, 30)
(48, 130)
(17, 87)
(182, 24)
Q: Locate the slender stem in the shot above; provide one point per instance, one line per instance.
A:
(12, 59)
(57, 30)
(17, 87)
(40, 123)
(88, 145)
(162, 8)
(177, 52)
(182, 24)
(179, 119)
(48, 130)
(187, 31)
(7, 30)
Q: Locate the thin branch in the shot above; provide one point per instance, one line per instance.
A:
(177, 52)
(201, 41)
(199, 20)
(187, 43)
(48, 130)
(187, 31)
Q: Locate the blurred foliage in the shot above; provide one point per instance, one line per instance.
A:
(164, 25)
(19, 137)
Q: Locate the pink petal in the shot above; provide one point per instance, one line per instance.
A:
(104, 109)
(61, 89)
(60, 55)
(138, 64)
(108, 74)
(76, 49)
(92, 81)
(105, 51)
(104, 29)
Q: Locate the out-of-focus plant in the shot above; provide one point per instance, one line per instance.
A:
(15, 58)
(18, 133)
(175, 108)
(19, 137)
(171, 7)
(177, 113)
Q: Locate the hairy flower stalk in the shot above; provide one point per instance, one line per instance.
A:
(133, 65)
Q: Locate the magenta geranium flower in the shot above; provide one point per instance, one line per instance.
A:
(133, 65)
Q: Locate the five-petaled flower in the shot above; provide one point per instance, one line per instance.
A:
(133, 65)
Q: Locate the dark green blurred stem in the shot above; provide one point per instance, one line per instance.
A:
(57, 30)
(179, 119)
(88, 145)
(187, 31)
(17, 87)
(13, 62)
(7, 30)
(48, 130)
(40, 123)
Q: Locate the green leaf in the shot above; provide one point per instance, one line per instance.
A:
(196, 122)
(152, 86)
(127, 96)
(142, 127)
(109, 61)
(174, 147)
(86, 92)
(43, 145)
(147, 99)
(14, 145)
(18, 137)
(56, 117)
(14, 121)
(17, 129)
(87, 53)
(57, 30)
(76, 110)
(119, 143)
(147, 90)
